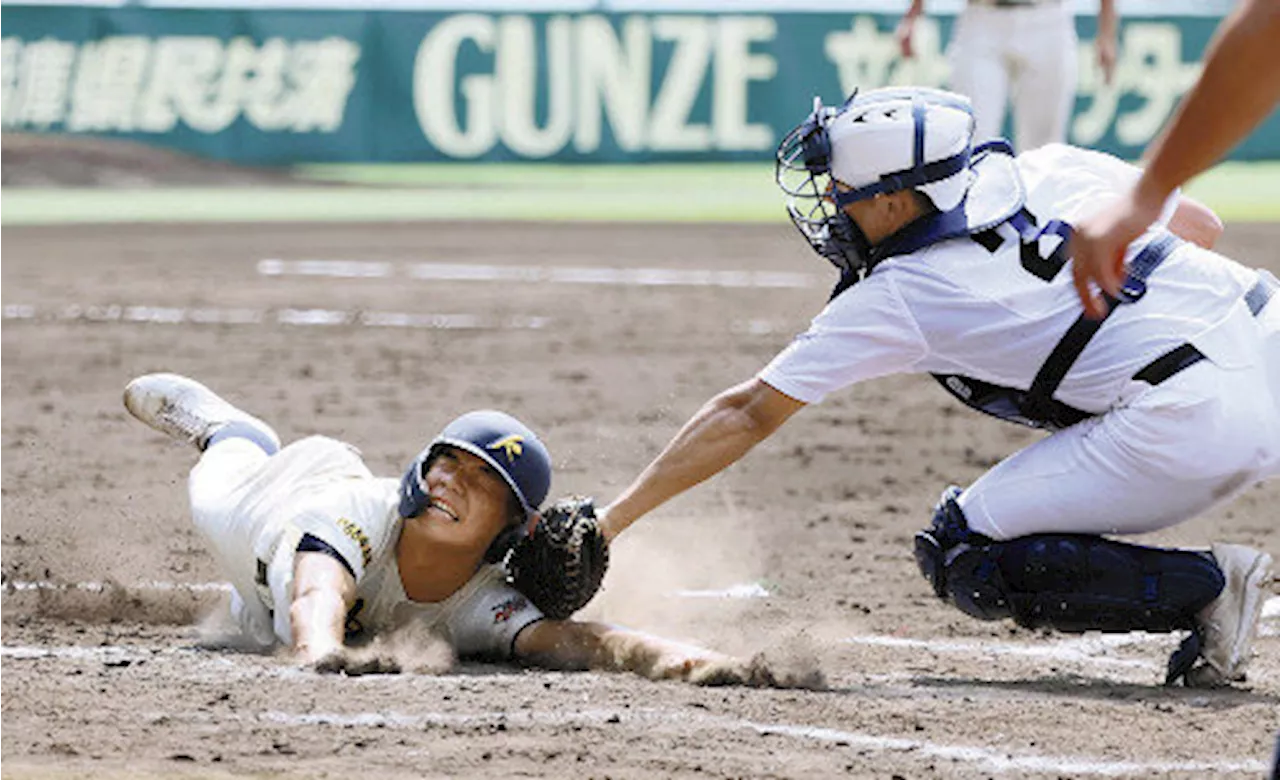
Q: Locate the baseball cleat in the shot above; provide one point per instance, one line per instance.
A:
(1230, 622)
(188, 411)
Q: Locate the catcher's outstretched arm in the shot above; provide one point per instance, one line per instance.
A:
(717, 436)
(572, 645)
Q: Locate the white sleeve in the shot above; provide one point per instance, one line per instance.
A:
(486, 615)
(352, 518)
(865, 332)
(1078, 182)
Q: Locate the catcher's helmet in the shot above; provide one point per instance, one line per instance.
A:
(500, 440)
(877, 142)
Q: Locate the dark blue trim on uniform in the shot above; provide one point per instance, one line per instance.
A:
(920, 233)
(309, 543)
(511, 653)
(1038, 403)
(1012, 405)
(917, 141)
(1036, 407)
(906, 179)
(1181, 358)
(1260, 294)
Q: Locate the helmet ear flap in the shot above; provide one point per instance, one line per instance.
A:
(509, 537)
(413, 493)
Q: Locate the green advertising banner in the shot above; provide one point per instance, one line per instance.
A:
(354, 86)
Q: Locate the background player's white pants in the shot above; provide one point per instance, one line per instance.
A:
(1165, 455)
(216, 486)
(1027, 54)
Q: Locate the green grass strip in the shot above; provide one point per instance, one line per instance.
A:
(733, 192)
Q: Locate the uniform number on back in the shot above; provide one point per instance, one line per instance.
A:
(1044, 250)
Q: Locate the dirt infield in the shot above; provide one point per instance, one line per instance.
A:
(105, 579)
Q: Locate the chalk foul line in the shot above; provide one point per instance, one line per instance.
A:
(544, 274)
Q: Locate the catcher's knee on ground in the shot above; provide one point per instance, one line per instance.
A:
(1067, 582)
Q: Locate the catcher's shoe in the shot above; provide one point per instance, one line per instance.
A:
(188, 411)
(1230, 622)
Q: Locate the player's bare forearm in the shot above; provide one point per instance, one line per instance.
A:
(717, 436)
(573, 645)
(323, 592)
(1236, 91)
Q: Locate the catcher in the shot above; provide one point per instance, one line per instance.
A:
(953, 262)
(320, 551)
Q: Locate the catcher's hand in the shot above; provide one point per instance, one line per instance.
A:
(559, 566)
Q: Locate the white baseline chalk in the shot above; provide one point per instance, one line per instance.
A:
(548, 274)
(993, 759)
(317, 317)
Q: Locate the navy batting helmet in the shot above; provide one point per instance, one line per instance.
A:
(495, 437)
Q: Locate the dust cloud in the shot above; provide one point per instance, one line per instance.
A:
(670, 576)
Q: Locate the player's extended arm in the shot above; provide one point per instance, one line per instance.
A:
(323, 591)
(718, 435)
(573, 645)
(1234, 93)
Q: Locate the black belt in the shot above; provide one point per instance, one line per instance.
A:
(1186, 356)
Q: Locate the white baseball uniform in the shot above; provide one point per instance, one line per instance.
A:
(254, 509)
(1024, 50)
(1154, 455)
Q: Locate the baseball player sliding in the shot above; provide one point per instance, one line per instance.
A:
(1024, 50)
(318, 549)
(952, 262)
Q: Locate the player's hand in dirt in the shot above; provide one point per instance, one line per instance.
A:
(709, 668)
(757, 672)
(355, 664)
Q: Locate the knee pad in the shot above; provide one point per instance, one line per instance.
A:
(946, 531)
(1075, 583)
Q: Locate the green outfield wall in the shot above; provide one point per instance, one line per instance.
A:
(287, 86)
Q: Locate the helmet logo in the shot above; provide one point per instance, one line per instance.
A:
(511, 445)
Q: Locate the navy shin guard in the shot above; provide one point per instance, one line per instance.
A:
(1075, 583)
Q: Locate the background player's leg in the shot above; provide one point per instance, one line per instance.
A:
(1043, 85)
(976, 55)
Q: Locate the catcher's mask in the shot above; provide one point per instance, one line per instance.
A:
(879, 142)
(508, 446)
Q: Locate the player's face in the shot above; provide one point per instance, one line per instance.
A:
(882, 216)
(469, 499)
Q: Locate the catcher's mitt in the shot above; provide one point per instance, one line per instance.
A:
(559, 566)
